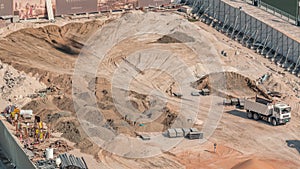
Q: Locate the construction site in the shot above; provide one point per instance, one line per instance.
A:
(196, 84)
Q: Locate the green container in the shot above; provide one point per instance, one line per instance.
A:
(288, 6)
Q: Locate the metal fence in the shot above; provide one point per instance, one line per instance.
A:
(249, 31)
(13, 150)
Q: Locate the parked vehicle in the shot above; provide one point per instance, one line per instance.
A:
(263, 109)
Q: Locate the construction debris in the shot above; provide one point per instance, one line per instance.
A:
(194, 129)
(185, 9)
(179, 132)
(195, 135)
(34, 134)
(241, 104)
(264, 78)
(234, 101)
(205, 92)
(195, 93)
(145, 137)
(177, 95)
(46, 164)
(186, 131)
(70, 161)
(223, 53)
(26, 114)
(11, 80)
(171, 133)
(238, 102)
(227, 102)
(60, 146)
(63, 161)
(274, 94)
(191, 133)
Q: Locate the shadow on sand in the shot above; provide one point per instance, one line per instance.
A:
(243, 114)
(294, 144)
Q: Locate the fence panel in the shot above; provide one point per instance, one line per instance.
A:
(250, 26)
(13, 150)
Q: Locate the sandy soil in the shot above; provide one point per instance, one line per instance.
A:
(47, 57)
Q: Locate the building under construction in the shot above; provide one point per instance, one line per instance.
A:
(37, 8)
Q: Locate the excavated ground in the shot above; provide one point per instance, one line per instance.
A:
(230, 85)
(49, 54)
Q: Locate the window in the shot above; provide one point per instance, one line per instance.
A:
(286, 110)
(276, 109)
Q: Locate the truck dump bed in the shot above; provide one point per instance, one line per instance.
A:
(258, 107)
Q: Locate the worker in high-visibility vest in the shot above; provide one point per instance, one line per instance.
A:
(39, 131)
(15, 114)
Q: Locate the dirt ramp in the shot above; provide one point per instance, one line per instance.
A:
(254, 164)
(229, 84)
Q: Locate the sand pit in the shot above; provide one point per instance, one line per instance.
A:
(49, 55)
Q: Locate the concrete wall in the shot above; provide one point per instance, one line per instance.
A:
(12, 149)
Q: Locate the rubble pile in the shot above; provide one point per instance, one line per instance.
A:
(43, 148)
(10, 80)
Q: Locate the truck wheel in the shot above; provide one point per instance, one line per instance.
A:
(274, 122)
(255, 116)
(249, 114)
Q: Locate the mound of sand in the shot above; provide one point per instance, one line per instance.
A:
(253, 164)
(176, 37)
(229, 84)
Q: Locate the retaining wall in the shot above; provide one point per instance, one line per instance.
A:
(236, 20)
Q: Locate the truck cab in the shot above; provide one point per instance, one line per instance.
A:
(282, 113)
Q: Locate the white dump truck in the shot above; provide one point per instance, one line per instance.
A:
(264, 109)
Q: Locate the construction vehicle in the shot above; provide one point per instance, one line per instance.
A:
(265, 110)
